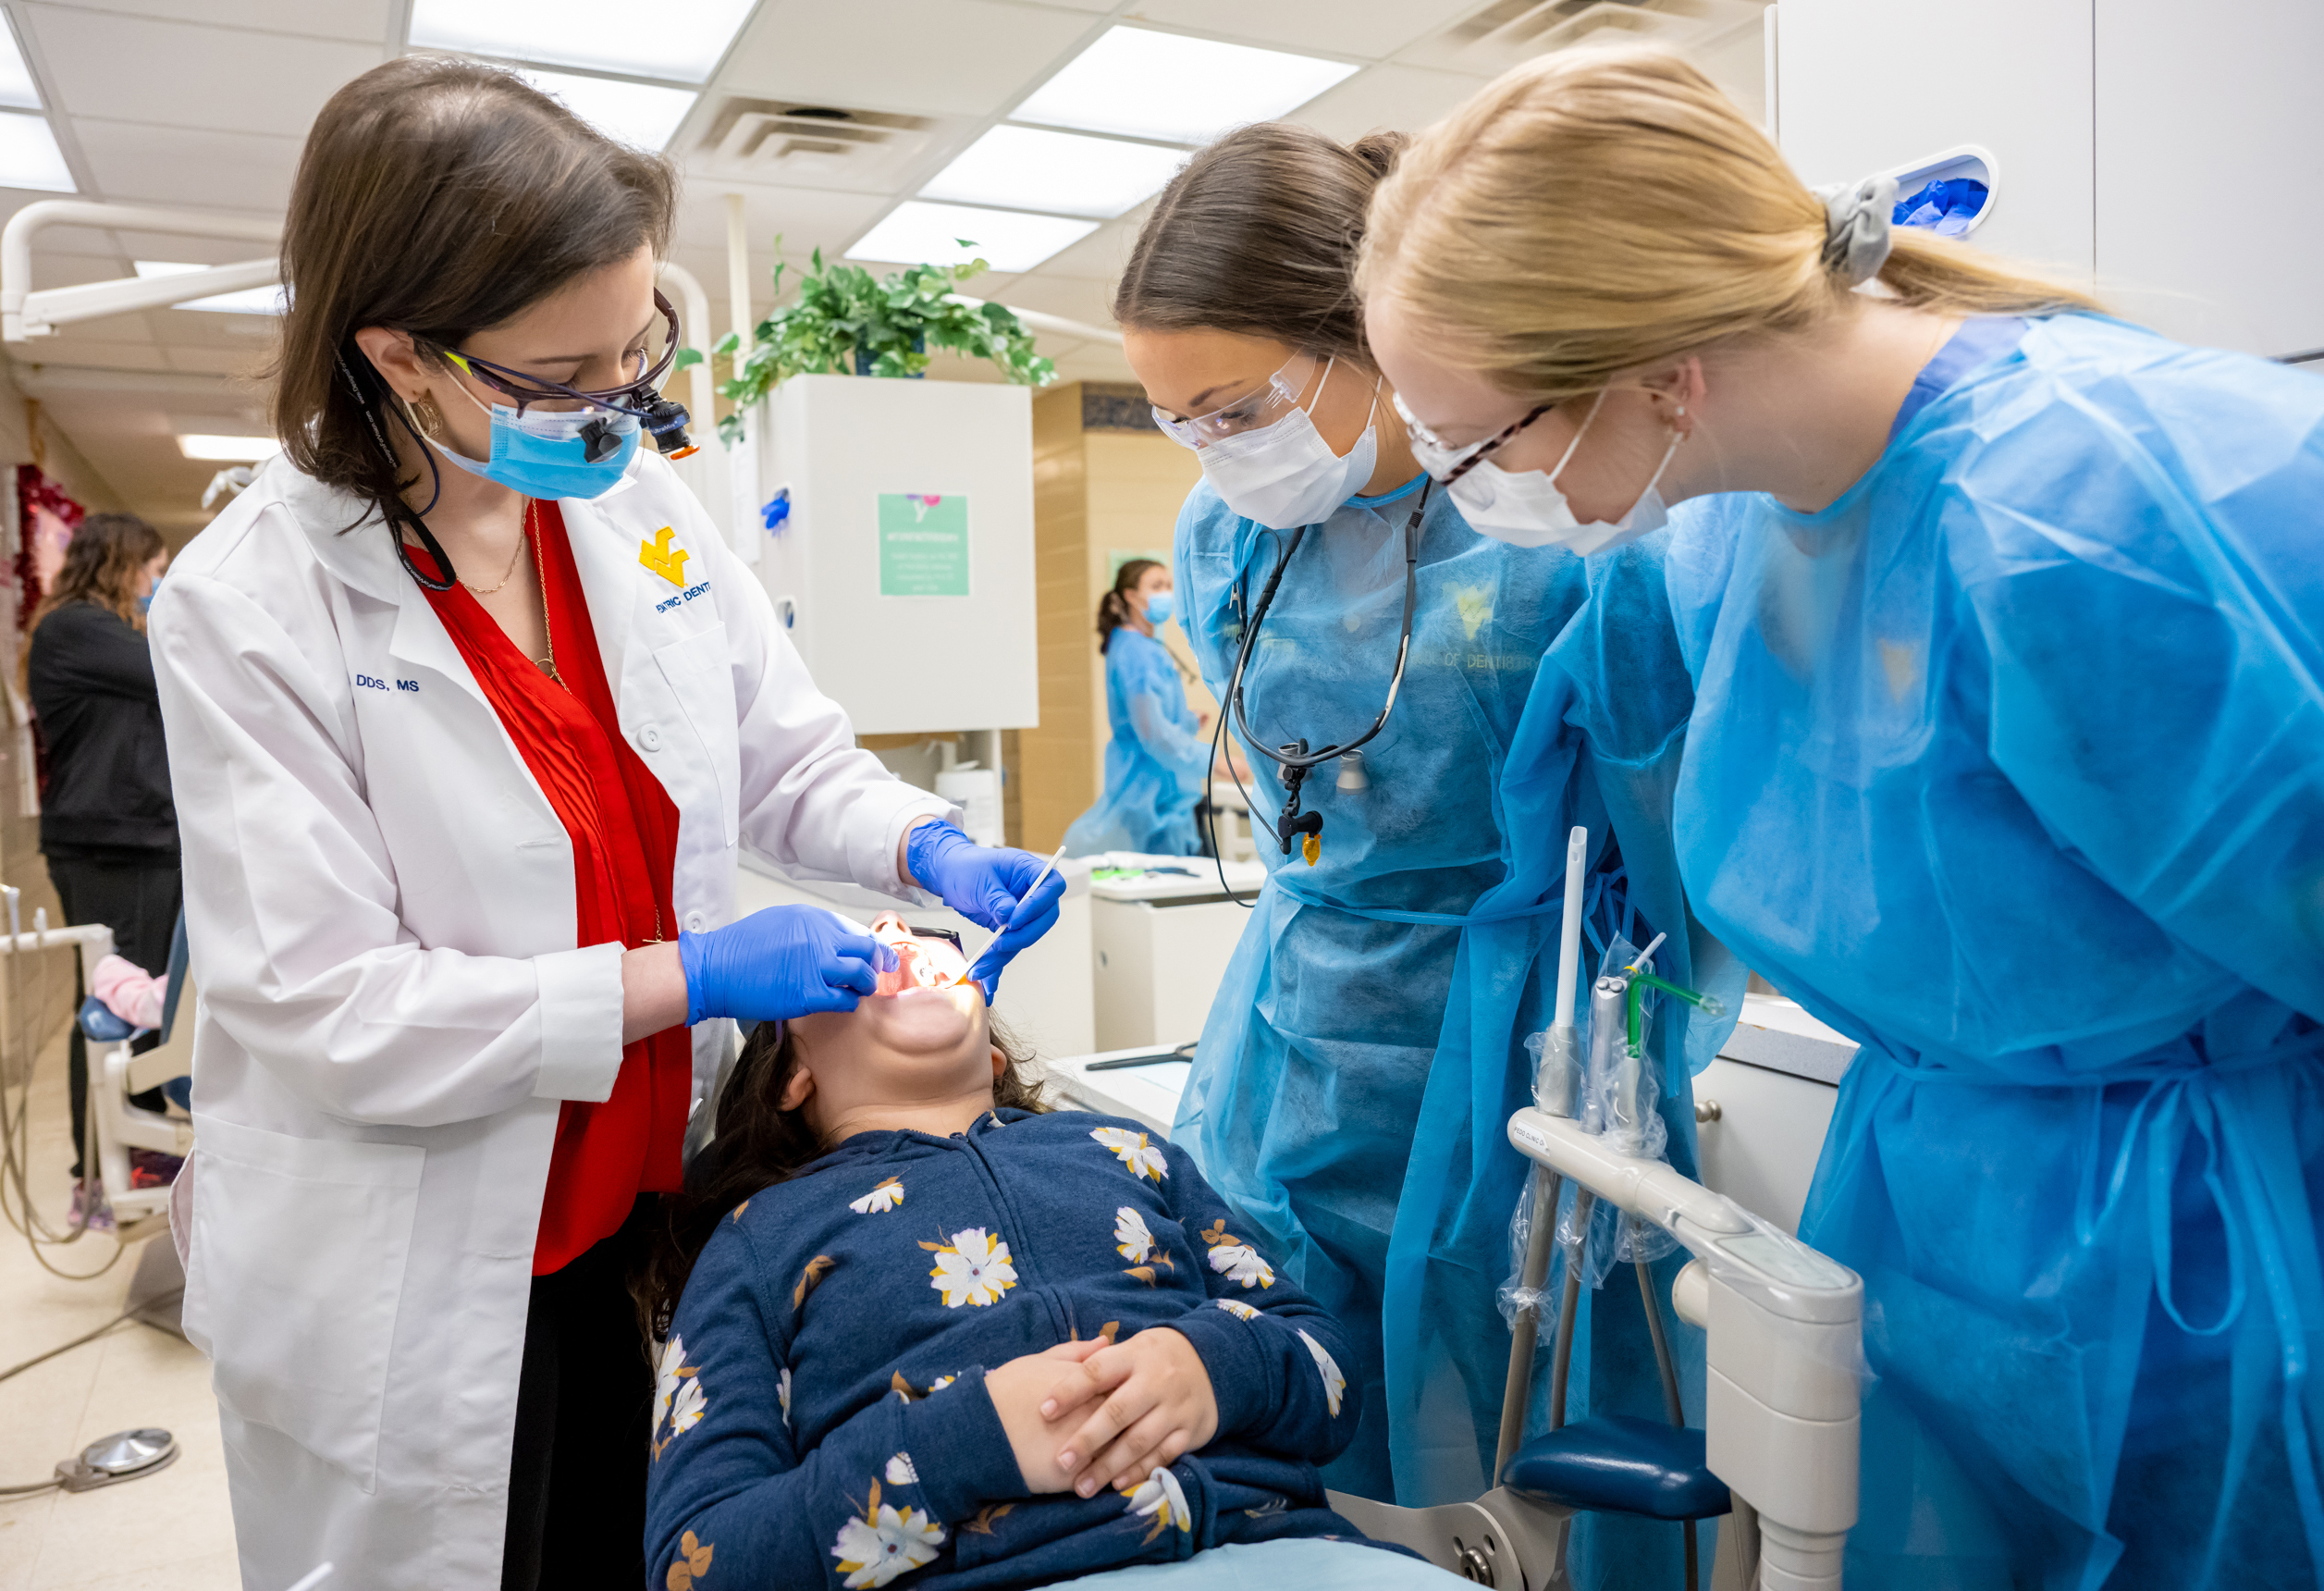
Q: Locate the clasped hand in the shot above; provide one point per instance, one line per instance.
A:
(1085, 1415)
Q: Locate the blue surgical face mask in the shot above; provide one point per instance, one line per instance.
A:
(543, 453)
(1161, 608)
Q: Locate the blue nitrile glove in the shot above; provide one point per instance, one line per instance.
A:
(986, 884)
(781, 962)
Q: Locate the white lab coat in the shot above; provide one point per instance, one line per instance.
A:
(380, 904)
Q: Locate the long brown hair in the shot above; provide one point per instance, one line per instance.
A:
(1114, 607)
(107, 553)
(1257, 234)
(437, 198)
(1593, 211)
(757, 1144)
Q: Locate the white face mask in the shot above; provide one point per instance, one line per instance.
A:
(1525, 508)
(1286, 475)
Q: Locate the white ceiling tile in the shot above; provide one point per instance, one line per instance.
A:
(66, 348)
(1100, 256)
(184, 249)
(238, 363)
(1367, 27)
(249, 334)
(1085, 299)
(181, 75)
(807, 218)
(54, 269)
(227, 170)
(1406, 99)
(963, 58)
(362, 19)
(1096, 362)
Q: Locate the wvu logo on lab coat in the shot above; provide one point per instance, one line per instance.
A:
(664, 559)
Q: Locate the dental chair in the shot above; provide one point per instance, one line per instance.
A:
(1777, 1447)
(119, 1124)
(1778, 1443)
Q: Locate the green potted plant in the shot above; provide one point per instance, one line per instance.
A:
(845, 321)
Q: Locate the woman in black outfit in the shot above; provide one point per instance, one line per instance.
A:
(107, 825)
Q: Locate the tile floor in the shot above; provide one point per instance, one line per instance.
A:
(171, 1529)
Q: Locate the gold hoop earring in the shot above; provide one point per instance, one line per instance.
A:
(426, 415)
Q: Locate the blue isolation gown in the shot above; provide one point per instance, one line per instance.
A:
(2009, 764)
(1328, 1063)
(1155, 762)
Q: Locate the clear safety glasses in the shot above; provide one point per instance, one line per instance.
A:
(1255, 410)
(1448, 464)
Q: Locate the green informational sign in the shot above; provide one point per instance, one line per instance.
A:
(923, 545)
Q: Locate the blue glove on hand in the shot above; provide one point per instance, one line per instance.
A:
(986, 884)
(782, 962)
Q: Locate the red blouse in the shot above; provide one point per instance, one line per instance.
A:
(624, 832)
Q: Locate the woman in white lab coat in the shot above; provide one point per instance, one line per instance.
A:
(469, 709)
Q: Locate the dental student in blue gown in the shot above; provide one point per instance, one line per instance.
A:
(1158, 755)
(1353, 1082)
(2006, 757)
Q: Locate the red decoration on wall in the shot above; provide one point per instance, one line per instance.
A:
(45, 521)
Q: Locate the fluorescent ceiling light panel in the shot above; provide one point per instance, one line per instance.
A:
(28, 155)
(641, 114)
(916, 231)
(1145, 84)
(681, 40)
(16, 77)
(250, 300)
(228, 450)
(1032, 168)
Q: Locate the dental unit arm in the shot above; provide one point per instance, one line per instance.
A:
(1784, 1323)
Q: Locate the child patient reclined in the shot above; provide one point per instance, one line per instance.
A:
(936, 1331)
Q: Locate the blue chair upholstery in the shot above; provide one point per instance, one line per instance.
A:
(1618, 1465)
(99, 1023)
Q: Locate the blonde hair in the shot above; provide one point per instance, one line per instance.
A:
(1593, 212)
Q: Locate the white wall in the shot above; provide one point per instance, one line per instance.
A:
(1869, 85)
(2210, 180)
(2171, 156)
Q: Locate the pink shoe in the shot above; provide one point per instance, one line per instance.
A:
(101, 1216)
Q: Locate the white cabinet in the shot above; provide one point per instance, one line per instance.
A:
(2210, 137)
(904, 571)
(1865, 86)
(2163, 156)
(1160, 943)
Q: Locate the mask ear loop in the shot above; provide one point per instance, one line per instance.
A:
(1566, 456)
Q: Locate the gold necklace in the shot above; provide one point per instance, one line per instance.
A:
(548, 665)
(509, 574)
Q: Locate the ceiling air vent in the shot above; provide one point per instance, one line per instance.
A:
(1499, 35)
(782, 141)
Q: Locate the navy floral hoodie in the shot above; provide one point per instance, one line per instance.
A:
(820, 1416)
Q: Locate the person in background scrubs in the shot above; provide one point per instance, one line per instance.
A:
(1156, 761)
(2006, 759)
(1367, 1044)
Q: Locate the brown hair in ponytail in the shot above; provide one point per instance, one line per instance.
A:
(1593, 211)
(1257, 234)
(1114, 607)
